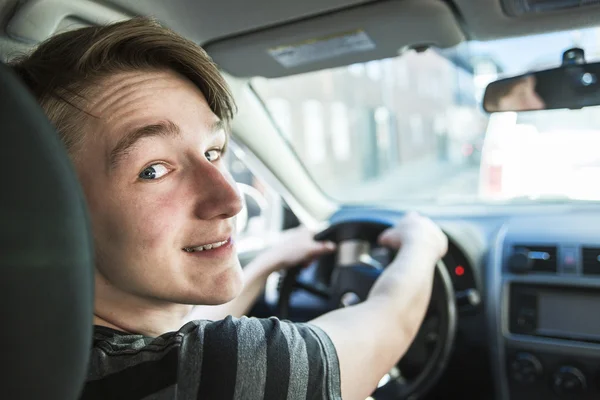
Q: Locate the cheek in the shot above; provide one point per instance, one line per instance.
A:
(155, 221)
(135, 223)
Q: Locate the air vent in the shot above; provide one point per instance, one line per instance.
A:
(591, 260)
(534, 259)
(517, 8)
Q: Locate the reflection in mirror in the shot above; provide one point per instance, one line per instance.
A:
(514, 94)
(569, 86)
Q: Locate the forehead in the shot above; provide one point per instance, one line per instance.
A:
(127, 100)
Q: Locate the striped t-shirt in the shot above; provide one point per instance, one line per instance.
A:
(245, 358)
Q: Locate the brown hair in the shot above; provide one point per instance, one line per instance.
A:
(497, 90)
(67, 67)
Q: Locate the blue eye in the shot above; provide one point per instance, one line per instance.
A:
(213, 155)
(154, 171)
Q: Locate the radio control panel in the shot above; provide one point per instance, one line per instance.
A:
(543, 303)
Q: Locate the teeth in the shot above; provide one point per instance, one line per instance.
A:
(205, 247)
(215, 245)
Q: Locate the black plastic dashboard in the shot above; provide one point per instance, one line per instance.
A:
(534, 263)
(504, 348)
(542, 307)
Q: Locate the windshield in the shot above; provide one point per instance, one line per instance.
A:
(412, 127)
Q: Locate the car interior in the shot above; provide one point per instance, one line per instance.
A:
(351, 114)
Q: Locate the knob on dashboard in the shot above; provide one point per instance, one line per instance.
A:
(569, 381)
(520, 262)
(525, 368)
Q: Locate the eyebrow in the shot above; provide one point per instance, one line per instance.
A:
(165, 128)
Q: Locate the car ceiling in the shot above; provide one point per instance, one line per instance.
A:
(210, 20)
(487, 20)
(238, 33)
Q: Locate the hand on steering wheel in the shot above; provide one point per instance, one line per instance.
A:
(413, 228)
(296, 247)
(353, 271)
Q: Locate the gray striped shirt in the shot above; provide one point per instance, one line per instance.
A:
(245, 358)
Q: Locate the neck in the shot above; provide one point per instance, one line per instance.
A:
(129, 313)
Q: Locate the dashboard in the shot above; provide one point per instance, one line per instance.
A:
(543, 303)
(527, 285)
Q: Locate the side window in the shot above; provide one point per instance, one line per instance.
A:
(262, 215)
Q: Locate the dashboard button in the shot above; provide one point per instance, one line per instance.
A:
(526, 320)
(525, 368)
(569, 260)
(520, 262)
(569, 381)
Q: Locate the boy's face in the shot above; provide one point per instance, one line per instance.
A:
(156, 186)
(522, 97)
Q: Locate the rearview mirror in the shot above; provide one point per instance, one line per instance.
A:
(573, 85)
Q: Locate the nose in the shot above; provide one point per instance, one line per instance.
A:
(217, 193)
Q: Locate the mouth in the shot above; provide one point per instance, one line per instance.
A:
(207, 247)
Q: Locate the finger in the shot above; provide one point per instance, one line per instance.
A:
(385, 237)
(321, 248)
(328, 246)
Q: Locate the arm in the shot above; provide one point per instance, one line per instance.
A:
(383, 327)
(295, 247)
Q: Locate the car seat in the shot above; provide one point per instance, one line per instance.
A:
(46, 256)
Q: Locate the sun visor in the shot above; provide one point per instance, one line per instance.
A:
(37, 20)
(367, 32)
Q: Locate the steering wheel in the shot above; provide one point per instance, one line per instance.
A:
(345, 278)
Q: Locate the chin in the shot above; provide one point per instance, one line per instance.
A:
(230, 287)
(222, 289)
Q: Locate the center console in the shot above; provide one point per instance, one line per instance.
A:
(543, 305)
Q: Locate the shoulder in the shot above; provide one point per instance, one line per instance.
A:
(271, 357)
(263, 357)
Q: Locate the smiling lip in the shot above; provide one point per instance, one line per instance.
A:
(218, 248)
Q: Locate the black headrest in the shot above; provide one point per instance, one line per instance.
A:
(46, 257)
